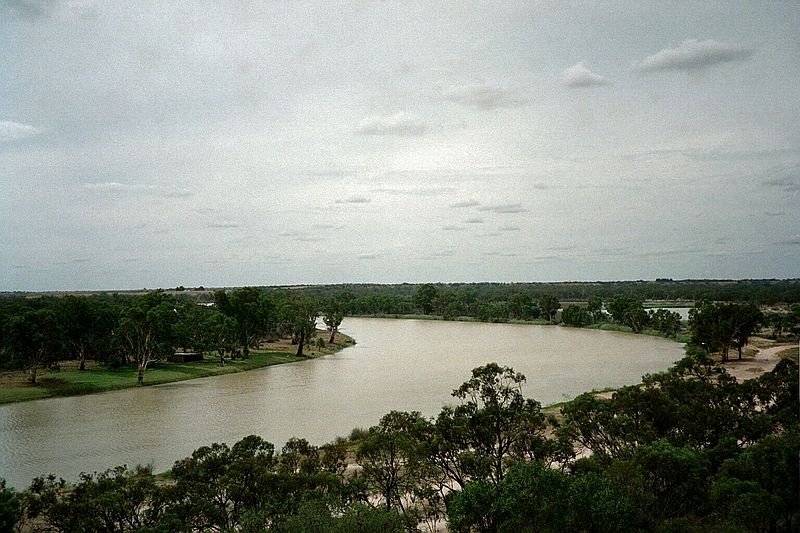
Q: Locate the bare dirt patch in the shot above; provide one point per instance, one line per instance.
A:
(752, 366)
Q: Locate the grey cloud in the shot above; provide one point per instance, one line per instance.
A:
(224, 225)
(691, 55)
(368, 256)
(504, 208)
(310, 239)
(356, 199)
(474, 220)
(29, 8)
(790, 183)
(669, 253)
(15, 131)
(113, 187)
(579, 76)
(501, 254)
(484, 96)
(402, 124)
(327, 226)
(775, 213)
(468, 203)
(451, 227)
(439, 254)
(418, 191)
(565, 248)
(509, 228)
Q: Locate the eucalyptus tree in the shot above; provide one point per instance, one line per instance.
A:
(333, 318)
(146, 327)
(493, 423)
(33, 338)
(303, 316)
(549, 306)
(86, 324)
(720, 326)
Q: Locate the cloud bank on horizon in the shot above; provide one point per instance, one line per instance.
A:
(268, 143)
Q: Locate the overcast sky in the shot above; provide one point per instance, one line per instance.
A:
(156, 144)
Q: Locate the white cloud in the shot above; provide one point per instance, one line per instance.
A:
(692, 54)
(402, 124)
(474, 220)
(452, 227)
(485, 96)
(579, 76)
(14, 131)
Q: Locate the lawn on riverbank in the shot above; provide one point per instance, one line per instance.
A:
(14, 386)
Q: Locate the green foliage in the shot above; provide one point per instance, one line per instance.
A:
(665, 322)
(10, 509)
(719, 327)
(549, 306)
(391, 459)
(575, 315)
(32, 338)
(424, 298)
(333, 318)
(114, 500)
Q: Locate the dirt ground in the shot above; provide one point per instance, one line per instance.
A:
(763, 361)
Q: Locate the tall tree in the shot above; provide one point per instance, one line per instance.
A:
(304, 322)
(494, 422)
(424, 298)
(549, 306)
(85, 323)
(146, 327)
(594, 304)
(720, 326)
(333, 318)
(33, 337)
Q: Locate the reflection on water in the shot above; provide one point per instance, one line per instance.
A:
(397, 364)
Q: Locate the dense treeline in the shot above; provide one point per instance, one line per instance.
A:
(761, 292)
(37, 333)
(691, 449)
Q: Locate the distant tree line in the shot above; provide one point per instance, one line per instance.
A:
(691, 449)
(760, 292)
(114, 330)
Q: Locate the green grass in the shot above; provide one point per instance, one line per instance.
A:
(101, 379)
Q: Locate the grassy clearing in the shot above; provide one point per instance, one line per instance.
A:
(101, 379)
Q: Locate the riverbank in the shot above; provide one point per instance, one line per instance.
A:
(680, 337)
(69, 381)
(758, 358)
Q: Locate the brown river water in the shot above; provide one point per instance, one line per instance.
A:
(397, 364)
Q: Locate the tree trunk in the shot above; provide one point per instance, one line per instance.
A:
(140, 376)
(333, 334)
(33, 375)
(82, 353)
(300, 343)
